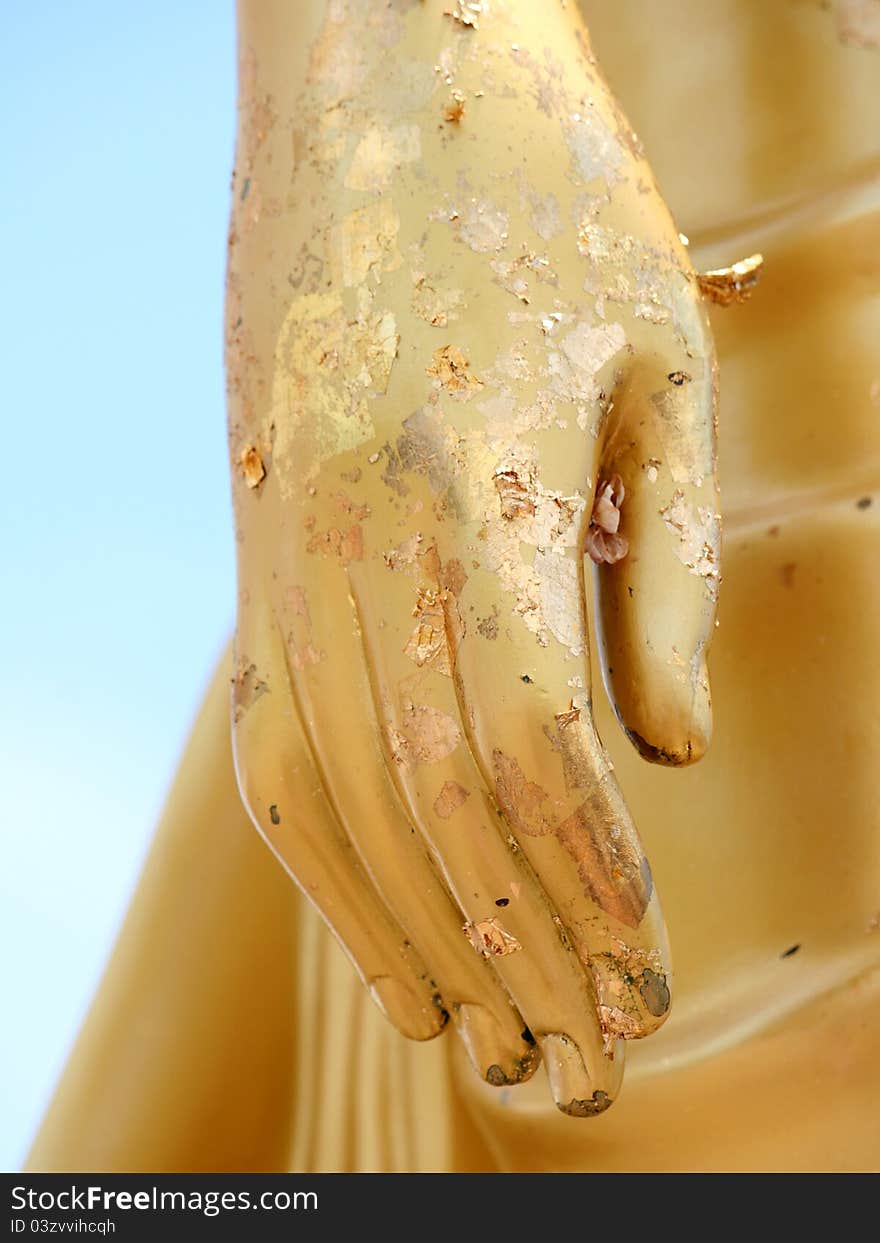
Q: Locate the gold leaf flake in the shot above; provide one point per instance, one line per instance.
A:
(366, 240)
(466, 13)
(450, 369)
(451, 797)
(490, 938)
(325, 368)
(435, 306)
(347, 545)
(252, 468)
(247, 688)
(569, 717)
(454, 110)
(380, 153)
(427, 735)
(617, 1025)
(514, 493)
(403, 557)
(614, 873)
(480, 224)
(427, 645)
(724, 286)
(697, 533)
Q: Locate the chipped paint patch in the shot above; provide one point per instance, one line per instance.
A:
(559, 592)
(546, 215)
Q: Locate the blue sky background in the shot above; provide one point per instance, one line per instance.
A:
(118, 126)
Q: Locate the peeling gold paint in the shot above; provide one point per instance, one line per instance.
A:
(434, 306)
(513, 274)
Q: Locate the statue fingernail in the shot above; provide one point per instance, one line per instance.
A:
(495, 1058)
(402, 1008)
(575, 1092)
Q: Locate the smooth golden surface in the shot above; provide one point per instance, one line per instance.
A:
(770, 843)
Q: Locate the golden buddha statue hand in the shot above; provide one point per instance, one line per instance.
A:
(467, 357)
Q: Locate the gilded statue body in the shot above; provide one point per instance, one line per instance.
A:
(473, 403)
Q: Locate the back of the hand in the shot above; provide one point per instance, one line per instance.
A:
(467, 358)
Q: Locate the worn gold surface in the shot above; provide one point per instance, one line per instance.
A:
(445, 345)
(766, 853)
